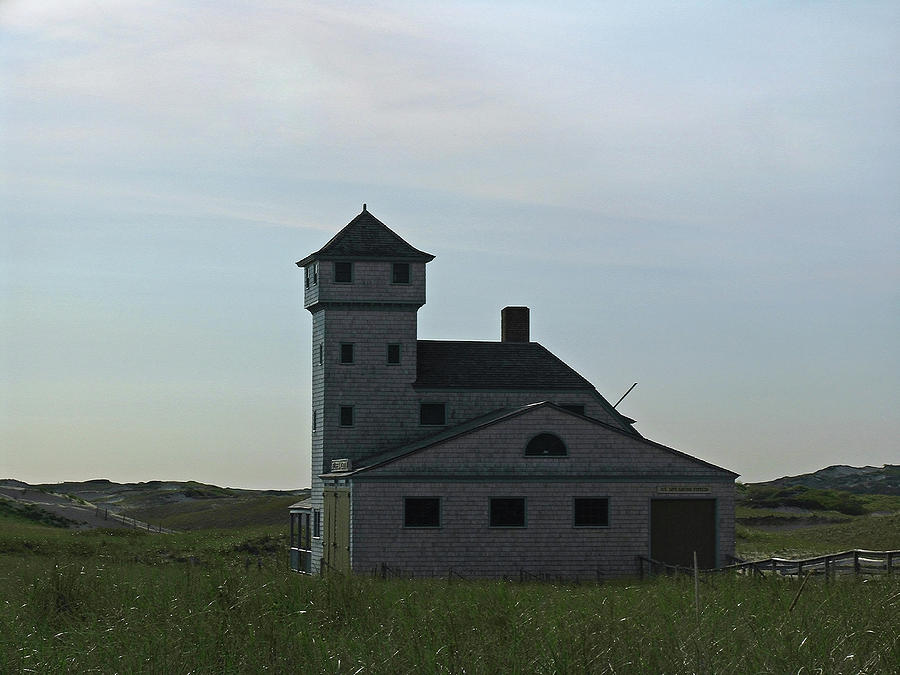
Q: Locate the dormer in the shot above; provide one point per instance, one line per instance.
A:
(365, 263)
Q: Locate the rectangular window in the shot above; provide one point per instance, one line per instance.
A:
(579, 409)
(304, 531)
(317, 523)
(507, 511)
(306, 277)
(591, 512)
(346, 352)
(301, 553)
(343, 272)
(393, 354)
(432, 414)
(421, 512)
(314, 420)
(400, 273)
(346, 415)
(321, 353)
(315, 273)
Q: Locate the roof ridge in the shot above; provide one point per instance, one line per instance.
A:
(367, 237)
(495, 416)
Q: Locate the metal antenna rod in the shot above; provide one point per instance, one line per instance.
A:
(626, 394)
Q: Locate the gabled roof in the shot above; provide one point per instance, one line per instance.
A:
(487, 419)
(366, 237)
(496, 417)
(444, 364)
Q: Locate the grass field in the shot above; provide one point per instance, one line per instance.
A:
(218, 513)
(223, 601)
(867, 532)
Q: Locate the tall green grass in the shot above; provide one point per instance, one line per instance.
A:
(223, 601)
(866, 532)
(221, 512)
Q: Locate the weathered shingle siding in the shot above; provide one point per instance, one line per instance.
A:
(467, 471)
(371, 284)
(548, 544)
(592, 450)
(463, 405)
(371, 312)
(318, 398)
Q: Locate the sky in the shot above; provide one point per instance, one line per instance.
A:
(700, 197)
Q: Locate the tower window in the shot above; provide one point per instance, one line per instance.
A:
(346, 352)
(306, 277)
(545, 445)
(315, 273)
(591, 512)
(400, 273)
(346, 415)
(421, 512)
(314, 420)
(433, 414)
(321, 353)
(393, 354)
(507, 511)
(343, 272)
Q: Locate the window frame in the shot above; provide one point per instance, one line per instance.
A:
(342, 352)
(315, 419)
(317, 524)
(301, 541)
(586, 498)
(399, 354)
(400, 265)
(352, 410)
(422, 405)
(524, 501)
(440, 512)
(349, 269)
(532, 455)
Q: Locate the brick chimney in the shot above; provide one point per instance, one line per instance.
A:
(514, 324)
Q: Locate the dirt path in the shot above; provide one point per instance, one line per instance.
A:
(86, 516)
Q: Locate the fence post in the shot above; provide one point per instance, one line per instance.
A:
(827, 569)
(856, 561)
(890, 562)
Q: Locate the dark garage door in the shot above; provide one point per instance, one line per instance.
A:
(678, 527)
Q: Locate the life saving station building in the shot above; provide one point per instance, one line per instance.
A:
(486, 459)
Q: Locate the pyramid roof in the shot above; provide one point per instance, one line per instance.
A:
(367, 238)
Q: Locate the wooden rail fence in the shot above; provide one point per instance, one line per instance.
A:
(131, 522)
(856, 561)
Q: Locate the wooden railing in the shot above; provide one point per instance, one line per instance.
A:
(857, 561)
(131, 522)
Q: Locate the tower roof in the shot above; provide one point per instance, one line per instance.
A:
(366, 237)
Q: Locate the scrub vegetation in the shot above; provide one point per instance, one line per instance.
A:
(223, 601)
(815, 499)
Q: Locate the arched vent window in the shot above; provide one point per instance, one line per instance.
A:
(545, 445)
